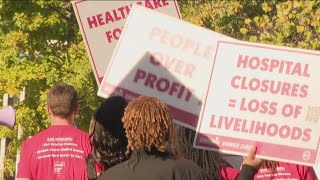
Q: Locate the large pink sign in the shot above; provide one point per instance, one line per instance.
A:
(263, 95)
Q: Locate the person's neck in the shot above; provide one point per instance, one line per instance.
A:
(56, 120)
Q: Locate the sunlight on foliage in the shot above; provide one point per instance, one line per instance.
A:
(40, 45)
(285, 23)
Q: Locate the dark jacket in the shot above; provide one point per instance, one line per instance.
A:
(148, 166)
(247, 172)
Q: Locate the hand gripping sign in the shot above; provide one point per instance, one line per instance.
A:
(163, 57)
(263, 95)
(101, 24)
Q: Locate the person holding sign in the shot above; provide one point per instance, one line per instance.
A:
(209, 161)
(212, 161)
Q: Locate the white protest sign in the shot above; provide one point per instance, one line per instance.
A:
(101, 24)
(263, 95)
(163, 57)
(317, 170)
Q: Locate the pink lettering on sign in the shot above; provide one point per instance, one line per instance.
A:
(289, 110)
(121, 13)
(254, 105)
(260, 128)
(114, 34)
(178, 41)
(266, 148)
(270, 86)
(163, 84)
(273, 65)
(175, 65)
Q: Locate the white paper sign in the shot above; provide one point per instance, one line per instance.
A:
(263, 95)
(101, 24)
(317, 170)
(163, 57)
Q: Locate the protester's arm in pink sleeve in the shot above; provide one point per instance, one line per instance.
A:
(310, 174)
(24, 169)
(228, 172)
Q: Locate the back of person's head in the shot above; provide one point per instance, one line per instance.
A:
(148, 124)
(62, 100)
(109, 138)
(182, 146)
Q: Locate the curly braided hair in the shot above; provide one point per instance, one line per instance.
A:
(148, 124)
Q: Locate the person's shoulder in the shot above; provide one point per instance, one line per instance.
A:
(36, 137)
(77, 130)
(33, 141)
(81, 131)
(228, 172)
(68, 130)
(187, 169)
(114, 172)
(306, 172)
(184, 163)
(27, 142)
(228, 169)
(293, 166)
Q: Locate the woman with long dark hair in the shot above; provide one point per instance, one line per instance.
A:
(107, 135)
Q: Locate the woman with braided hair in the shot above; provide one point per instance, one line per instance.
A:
(210, 161)
(149, 129)
(107, 136)
(148, 125)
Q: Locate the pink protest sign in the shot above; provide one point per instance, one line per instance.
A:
(163, 57)
(262, 95)
(101, 24)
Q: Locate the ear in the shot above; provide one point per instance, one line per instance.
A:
(49, 111)
(91, 127)
(77, 111)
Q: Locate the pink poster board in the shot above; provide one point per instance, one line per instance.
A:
(262, 95)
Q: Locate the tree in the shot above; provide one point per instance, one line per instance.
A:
(278, 22)
(40, 45)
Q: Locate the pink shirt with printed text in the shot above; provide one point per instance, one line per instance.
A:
(287, 171)
(56, 153)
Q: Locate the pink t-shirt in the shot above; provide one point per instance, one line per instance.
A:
(287, 171)
(228, 173)
(56, 153)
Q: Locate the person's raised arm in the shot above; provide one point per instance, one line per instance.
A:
(250, 165)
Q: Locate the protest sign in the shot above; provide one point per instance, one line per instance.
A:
(317, 170)
(101, 24)
(163, 57)
(262, 95)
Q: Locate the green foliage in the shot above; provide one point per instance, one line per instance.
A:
(40, 45)
(285, 23)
